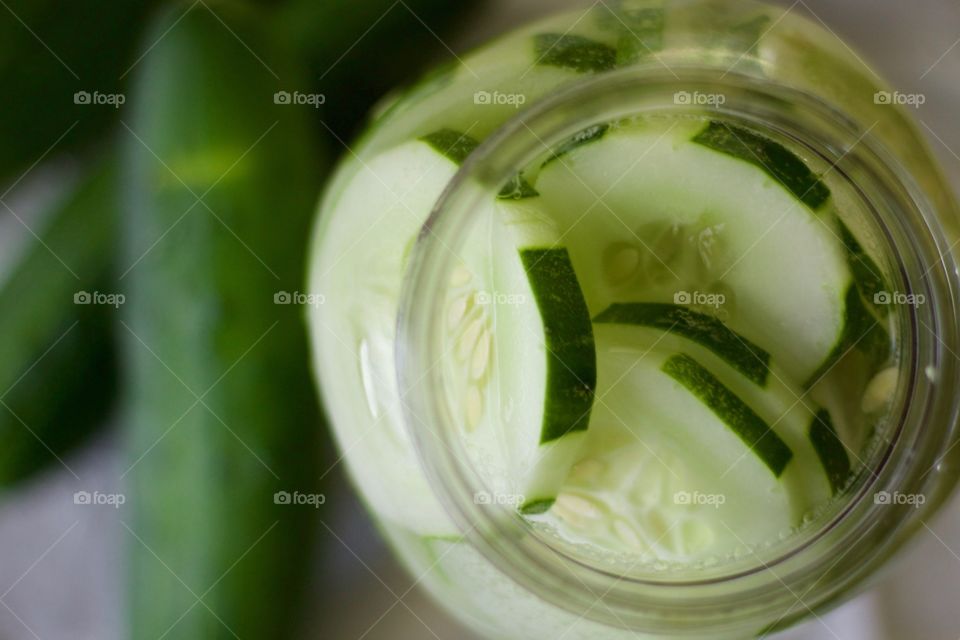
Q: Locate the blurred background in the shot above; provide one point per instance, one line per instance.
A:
(63, 562)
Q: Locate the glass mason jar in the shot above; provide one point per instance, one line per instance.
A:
(388, 338)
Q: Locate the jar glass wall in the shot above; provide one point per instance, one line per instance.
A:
(389, 395)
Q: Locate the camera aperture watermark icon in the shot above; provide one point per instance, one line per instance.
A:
(502, 499)
(97, 498)
(100, 298)
(916, 500)
(698, 98)
(699, 298)
(299, 499)
(499, 297)
(899, 99)
(298, 298)
(515, 100)
(299, 98)
(97, 98)
(697, 498)
(899, 298)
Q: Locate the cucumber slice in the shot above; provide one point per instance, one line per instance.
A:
(662, 473)
(640, 26)
(833, 455)
(568, 336)
(590, 134)
(511, 296)
(730, 409)
(747, 358)
(773, 158)
(665, 219)
(542, 379)
(457, 145)
(574, 52)
(384, 203)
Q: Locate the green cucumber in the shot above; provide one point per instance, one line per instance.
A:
(652, 441)
(866, 272)
(588, 135)
(456, 146)
(222, 417)
(573, 52)
(738, 417)
(571, 357)
(58, 358)
(640, 26)
(830, 449)
(526, 451)
(772, 157)
(647, 230)
(740, 353)
(549, 327)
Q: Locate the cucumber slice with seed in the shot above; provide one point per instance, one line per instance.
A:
(660, 233)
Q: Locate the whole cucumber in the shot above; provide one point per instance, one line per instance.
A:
(224, 425)
(58, 358)
(64, 401)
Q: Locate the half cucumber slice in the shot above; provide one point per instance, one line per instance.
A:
(672, 220)
(527, 409)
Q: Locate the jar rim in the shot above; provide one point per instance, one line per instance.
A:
(927, 422)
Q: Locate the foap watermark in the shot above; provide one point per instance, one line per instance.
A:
(698, 98)
(899, 298)
(297, 499)
(499, 297)
(916, 500)
(514, 100)
(97, 498)
(504, 499)
(295, 297)
(98, 297)
(700, 499)
(298, 98)
(96, 98)
(901, 99)
(699, 298)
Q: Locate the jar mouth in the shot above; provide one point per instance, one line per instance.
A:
(848, 545)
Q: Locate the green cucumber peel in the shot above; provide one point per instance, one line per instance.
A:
(773, 158)
(741, 354)
(586, 136)
(577, 53)
(571, 353)
(833, 455)
(456, 146)
(731, 410)
(537, 507)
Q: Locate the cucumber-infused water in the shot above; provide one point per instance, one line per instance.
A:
(666, 343)
(644, 346)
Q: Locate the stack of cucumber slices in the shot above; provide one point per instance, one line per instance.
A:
(645, 327)
(660, 339)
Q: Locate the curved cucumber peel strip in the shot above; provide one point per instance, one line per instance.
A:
(740, 353)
